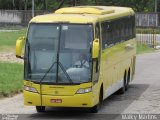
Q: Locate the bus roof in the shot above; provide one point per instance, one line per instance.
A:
(83, 14)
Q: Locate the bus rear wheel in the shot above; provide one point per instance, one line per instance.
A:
(127, 81)
(123, 89)
(40, 108)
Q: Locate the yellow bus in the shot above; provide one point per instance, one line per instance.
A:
(78, 56)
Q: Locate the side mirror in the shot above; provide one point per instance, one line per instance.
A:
(95, 48)
(19, 46)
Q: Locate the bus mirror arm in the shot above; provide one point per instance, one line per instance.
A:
(20, 57)
(95, 49)
(19, 46)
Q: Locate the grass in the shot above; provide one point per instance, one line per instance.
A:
(147, 31)
(8, 39)
(142, 48)
(11, 27)
(11, 78)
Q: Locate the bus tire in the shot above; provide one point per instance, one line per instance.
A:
(96, 108)
(127, 80)
(40, 108)
(123, 89)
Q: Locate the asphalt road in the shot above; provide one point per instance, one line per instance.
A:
(142, 97)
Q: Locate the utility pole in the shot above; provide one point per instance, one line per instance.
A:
(32, 8)
(156, 4)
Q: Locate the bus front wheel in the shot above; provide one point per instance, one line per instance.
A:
(96, 108)
(40, 108)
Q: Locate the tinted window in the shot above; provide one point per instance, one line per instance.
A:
(116, 31)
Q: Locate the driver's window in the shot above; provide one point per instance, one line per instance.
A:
(97, 31)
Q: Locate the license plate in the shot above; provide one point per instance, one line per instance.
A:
(56, 100)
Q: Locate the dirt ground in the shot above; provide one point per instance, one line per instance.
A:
(9, 57)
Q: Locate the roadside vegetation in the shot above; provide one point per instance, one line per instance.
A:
(137, 5)
(147, 31)
(8, 39)
(143, 48)
(11, 74)
(11, 78)
(11, 27)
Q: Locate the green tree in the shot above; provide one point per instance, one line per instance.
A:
(137, 5)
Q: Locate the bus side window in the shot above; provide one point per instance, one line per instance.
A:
(133, 27)
(97, 30)
(122, 30)
(104, 27)
(106, 34)
(113, 39)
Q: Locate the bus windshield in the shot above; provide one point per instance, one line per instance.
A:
(60, 53)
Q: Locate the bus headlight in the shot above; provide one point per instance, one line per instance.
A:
(84, 90)
(30, 89)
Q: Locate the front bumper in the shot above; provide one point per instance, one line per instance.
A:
(77, 100)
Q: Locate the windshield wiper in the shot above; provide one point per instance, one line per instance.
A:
(47, 72)
(63, 69)
(43, 79)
